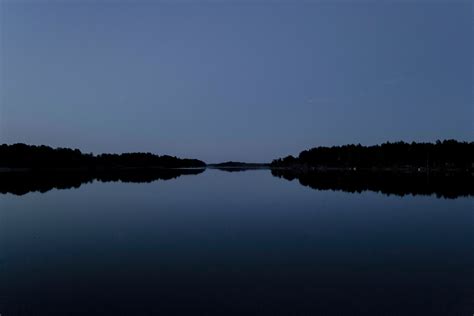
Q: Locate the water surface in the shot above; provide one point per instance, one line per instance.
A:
(243, 243)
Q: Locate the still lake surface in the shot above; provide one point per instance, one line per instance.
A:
(234, 243)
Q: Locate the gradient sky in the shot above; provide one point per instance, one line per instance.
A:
(220, 80)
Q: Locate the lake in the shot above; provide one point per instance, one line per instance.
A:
(233, 243)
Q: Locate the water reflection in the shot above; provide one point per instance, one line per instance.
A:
(20, 183)
(243, 243)
(389, 183)
(397, 183)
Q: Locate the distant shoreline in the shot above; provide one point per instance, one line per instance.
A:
(448, 156)
(231, 166)
(408, 170)
(98, 170)
(441, 156)
(293, 169)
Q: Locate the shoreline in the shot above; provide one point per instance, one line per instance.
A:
(401, 170)
(294, 169)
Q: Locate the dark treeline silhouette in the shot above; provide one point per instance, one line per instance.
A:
(445, 155)
(238, 169)
(20, 183)
(233, 166)
(44, 157)
(451, 185)
(236, 164)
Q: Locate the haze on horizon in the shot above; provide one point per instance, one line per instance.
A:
(248, 81)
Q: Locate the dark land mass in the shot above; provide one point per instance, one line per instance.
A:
(21, 156)
(442, 168)
(233, 166)
(446, 185)
(20, 183)
(26, 168)
(448, 155)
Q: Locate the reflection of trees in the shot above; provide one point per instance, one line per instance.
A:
(397, 183)
(20, 183)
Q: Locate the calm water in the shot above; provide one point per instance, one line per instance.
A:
(243, 243)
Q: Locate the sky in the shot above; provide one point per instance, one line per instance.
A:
(234, 80)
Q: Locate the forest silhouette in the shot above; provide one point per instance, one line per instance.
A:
(442, 168)
(442, 155)
(45, 157)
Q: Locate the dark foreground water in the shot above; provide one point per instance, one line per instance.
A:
(240, 243)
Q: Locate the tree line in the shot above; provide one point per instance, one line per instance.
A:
(45, 157)
(441, 155)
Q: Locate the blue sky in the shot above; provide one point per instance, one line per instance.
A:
(222, 80)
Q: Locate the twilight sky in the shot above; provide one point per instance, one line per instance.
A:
(222, 80)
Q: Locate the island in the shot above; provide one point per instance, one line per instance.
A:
(234, 166)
